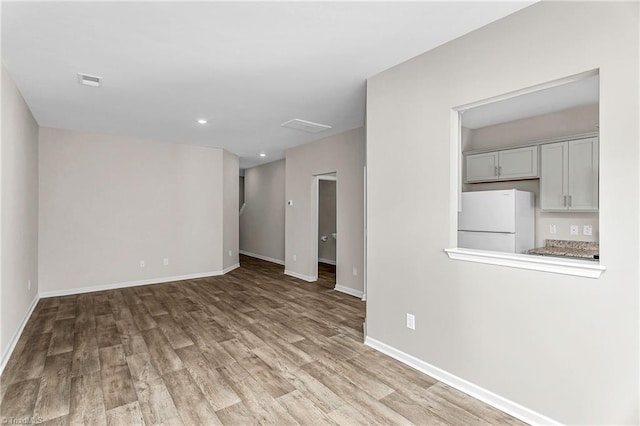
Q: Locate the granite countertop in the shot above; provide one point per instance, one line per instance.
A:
(563, 248)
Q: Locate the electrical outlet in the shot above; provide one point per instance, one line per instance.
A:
(295, 257)
(142, 263)
(553, 229)
(587, 230)
(574, 230)
(230, 253)
(165, 261)
(411, 321)
(355, 271)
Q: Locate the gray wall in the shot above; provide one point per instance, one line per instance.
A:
(327, 220)
(563, 346)
(573, 121)
(569, 122)
(19, 212)
(107, 202)
(262, 222)
(344, 154)
(230, 221)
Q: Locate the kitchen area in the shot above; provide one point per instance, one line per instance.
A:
(529, 171)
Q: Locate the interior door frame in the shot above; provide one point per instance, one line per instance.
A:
(331, 176)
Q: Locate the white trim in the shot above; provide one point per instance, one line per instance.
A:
(309, 278)
(578, 268)
(113, 286)
(315, 213)
(348, 290)
(327, 261)
(230, 268)
(14, 341)
(503, 404)
(328, 177)
(261, 257)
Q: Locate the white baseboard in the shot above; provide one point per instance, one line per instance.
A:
(70, 291)
(261, 257)
(230, 268)
(348, 290)
(309, 278)
(14, 340)
(514, 409)
(327, 261)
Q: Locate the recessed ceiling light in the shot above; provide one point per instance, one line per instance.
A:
(262, 154)
(202, 121)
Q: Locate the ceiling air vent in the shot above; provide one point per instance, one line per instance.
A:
(305, 126)
(89, 80)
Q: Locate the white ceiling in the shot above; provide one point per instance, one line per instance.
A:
(247, 67)
(585, 91)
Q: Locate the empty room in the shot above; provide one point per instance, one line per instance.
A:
(314, 213)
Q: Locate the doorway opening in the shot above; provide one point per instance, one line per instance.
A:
(326, 230)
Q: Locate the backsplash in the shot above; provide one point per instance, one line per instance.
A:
(563, 223)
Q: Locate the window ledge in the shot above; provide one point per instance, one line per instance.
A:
(579, 268)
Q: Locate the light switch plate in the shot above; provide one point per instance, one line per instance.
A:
(411, 322)
(574, 230)
(587, 230)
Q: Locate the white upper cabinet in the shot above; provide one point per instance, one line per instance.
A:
(569, 176)
(509, 164)
(553, 176)
(519, 163)
(482, 167)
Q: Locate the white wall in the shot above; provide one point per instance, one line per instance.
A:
(19, 207)
(563, 346)
(231, 222)
(108, 202)
(262, 222)
(344, 154)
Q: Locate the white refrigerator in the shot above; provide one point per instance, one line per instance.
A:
(501, 220)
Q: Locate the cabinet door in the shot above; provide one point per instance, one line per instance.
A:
(482, 167)
(583, 175)
(553, 176)
(518, 163)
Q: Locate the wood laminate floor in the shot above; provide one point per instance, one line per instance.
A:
(251, 347)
